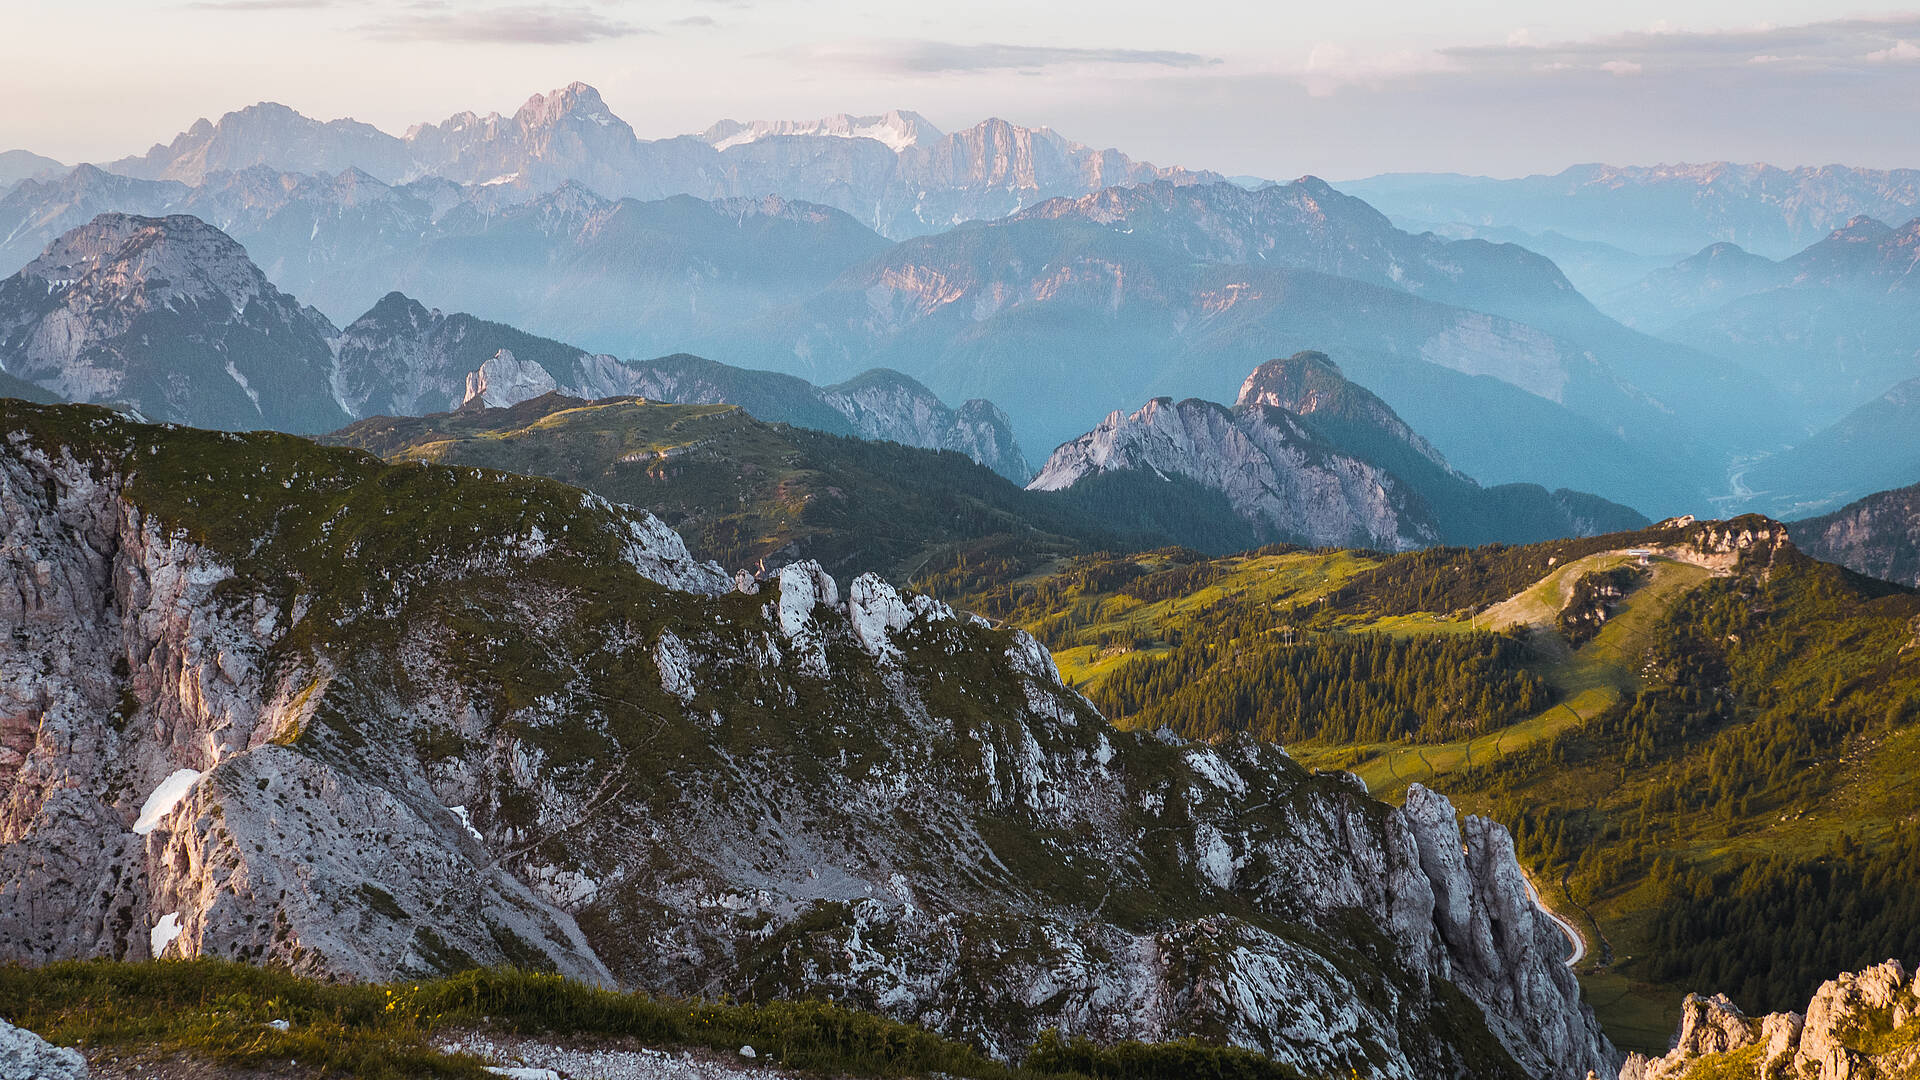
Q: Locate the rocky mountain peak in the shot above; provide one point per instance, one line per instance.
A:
(170, 315)
(1306, 455)
(885, 404)
(138, 263)
(567, 207)
(506, 380)
(1295, 383)
(1861, 229)
(1273, 470)
(1310, 384)
(396, 309)
(575, 101)
(274, 134)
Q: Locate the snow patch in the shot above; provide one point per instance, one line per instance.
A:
(163, 933)
(252, 394)
(164, 799)
(466, 822)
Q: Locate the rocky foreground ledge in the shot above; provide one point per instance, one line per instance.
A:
(1860, 1026)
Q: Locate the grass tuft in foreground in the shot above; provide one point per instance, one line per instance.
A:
(230, 1014)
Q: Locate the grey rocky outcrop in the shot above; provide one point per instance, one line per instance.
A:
(504, 380)
(1878, 536)
(629, 772)
(1272, 470)
(887, 405)
(26, 1056)
(1840, 1037)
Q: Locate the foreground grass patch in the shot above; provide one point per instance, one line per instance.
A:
(234, 1014)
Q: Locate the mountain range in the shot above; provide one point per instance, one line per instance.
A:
(1308, 225)
(489, 547)
(1833, 325)
(1107, 283)
(1658, 209)
(910, 180)
(1433, 360)
(629, 276)
(169, 317)
(757, 495)
(1021, 311)
(744, 491)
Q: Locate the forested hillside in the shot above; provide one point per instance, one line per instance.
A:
(1703, 740)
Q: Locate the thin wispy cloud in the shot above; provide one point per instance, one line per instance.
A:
(261, 5)
(695, 21)
(932, 57)
(505, 26)
(1838, 45)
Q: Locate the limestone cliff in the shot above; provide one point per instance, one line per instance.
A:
(270, 701)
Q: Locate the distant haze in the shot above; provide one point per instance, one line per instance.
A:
(1241, 86)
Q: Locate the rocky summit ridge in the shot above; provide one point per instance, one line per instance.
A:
(265, 700)
(1272, 469)
(1307, 456)
(896, 172)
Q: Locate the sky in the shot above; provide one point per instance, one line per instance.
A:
(1255, 87)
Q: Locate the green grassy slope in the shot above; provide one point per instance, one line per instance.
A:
(741, 491)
